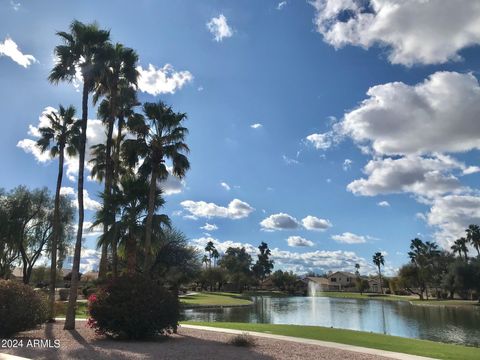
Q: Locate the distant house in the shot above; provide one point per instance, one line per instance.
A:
(90, 276)
(374, 285)
(16, 274)
(340, 280)
(320, 283)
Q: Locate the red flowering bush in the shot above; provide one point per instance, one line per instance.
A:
(133, 307)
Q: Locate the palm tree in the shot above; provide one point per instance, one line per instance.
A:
(357, 269)
(61, 134)
(82, 50)
(120, 70)
(215, 256)
(160, 138)
(131, 202)
(210, 248)
(379, 261)
(473, 236)
(460, 246)
(205, 260)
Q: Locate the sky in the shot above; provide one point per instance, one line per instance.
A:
(329, 129)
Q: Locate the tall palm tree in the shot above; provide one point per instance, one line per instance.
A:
(357, 270)
(379, 261)
(473, 236)
(61, 135)
(120, 71)
(160, 138)
(460, 246)
(83, 50)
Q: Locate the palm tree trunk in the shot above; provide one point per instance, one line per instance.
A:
(107, 190)
(381, 282)
(72, 301)
(116, 170)
(148, 224)
(56, 235)
(131, 253)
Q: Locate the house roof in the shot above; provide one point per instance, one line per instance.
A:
(344, 273)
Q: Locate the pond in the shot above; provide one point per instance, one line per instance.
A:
(446, 324)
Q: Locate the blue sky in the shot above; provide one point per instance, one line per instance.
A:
(367, 128)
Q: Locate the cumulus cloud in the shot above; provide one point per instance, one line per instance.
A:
(422, 176)
(383, 204)
(280, 221)
(225, 186)
(209, 227)
(10, 49)
(236, 209)
(414, 31)
(95, 135)
(347, 164)
(256, 126)
(219, 28)
(349, 238)
(89, 260)
(401, 119)
(164, 80)
(281, 5)
(298, 241)
(314, 223)
(451, 215)
(172, 184)
(321, 141)
(88, 202)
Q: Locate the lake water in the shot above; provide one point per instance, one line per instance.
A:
(445, 324)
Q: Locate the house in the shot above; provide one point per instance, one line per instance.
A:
(374, 286)
(340, 280)
(90, 276)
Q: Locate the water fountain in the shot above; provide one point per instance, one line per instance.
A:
(313, 288)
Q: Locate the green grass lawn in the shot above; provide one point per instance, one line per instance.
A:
(359, 338)
(81, 313)
(214, 299)
(413, 299)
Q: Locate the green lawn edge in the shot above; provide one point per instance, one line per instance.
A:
(213, 299)
(358, 338)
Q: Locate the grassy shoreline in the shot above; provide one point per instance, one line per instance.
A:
(358, 338)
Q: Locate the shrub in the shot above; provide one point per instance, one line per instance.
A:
(243, 339)
(64, 294)
(133, 307)
(88, 290)
(21, 308)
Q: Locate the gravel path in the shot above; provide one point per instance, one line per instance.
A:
(187, 344)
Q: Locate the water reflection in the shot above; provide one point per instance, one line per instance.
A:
(446, 324)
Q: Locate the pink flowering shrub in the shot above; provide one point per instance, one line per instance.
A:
(133, 307)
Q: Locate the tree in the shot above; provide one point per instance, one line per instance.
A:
(361, 285)
(162, 137)
(212, 252)
(409, 279)
(473, 237)
(460, 246)
(9, 252)
(83, 49)
(284, 281)
(264, 265)
(237, 262)
(357, 270)
(379, 261)
(120, 70)
(61, 135)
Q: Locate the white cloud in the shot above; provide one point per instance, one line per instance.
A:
(400, 119)
(414, 31)
(10, 49)
(383, 204)
(172, 184)
(471, 170)
(256, 126)
(314, 223)
(89, 260)
(451, 215)
(165, 80)
(349, 238)
(209, 227)
(225, 186)
(422, 176)
(88, 202)
(320, 141)
(280, 221)
(15, 5)
(347, 164)
(294, 241)
(236, 209)
(219, 28)
(290, 161)
(281, 5)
